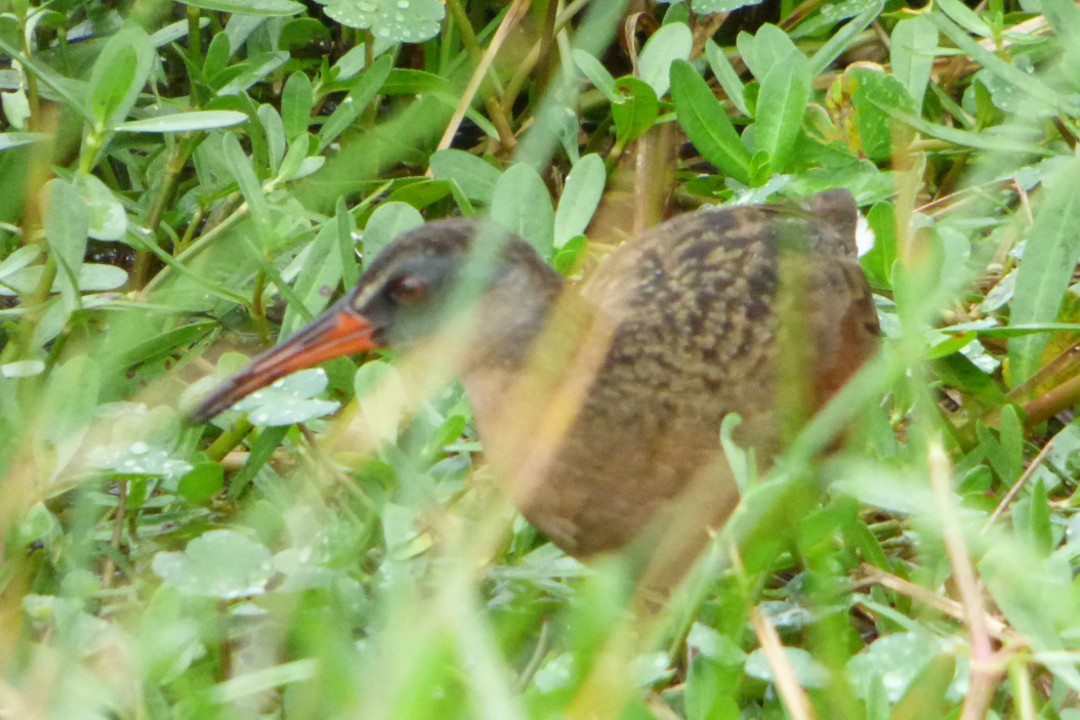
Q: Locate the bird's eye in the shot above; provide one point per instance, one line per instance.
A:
(408, 289)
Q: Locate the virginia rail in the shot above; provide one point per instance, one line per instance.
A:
(601, 404)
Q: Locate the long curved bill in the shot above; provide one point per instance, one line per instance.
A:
(337, 332)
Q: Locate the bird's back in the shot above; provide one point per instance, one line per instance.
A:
(701, 317)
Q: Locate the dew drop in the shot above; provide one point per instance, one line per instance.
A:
(279, 383)
(384, 32)
(403, 4)
(139, 448)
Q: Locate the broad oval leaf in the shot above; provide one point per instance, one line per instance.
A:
(912, 49)
(580, 198)
(474, 176)
(668, 44)
(289, 400)
(522, 205)
(107, 219)
(808, 672)
(636, 110)
(408, 21)
(222, 564)
(387, 222)
(138, 458)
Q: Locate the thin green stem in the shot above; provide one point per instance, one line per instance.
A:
(228, 440)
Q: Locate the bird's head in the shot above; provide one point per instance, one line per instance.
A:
(453, 275)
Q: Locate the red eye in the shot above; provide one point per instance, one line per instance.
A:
(408, 289)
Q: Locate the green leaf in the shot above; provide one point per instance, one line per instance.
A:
(321, 271)
(912, 50)
(118, 75)
(843, 38)
(289, 400)
(668, 44)
(707, 7)
(221, 564)
(878, 261)
(762, 51)
(66, 226)
(174, 31)
(580, 198)
(999, 139)
(726, 76)
(808, 672)
(138, 458)
(409, 21)
(295, 159)
(782, 102)
(1039, 529)
(522, 205)
(900, 657)
(202, 482)
(92, 277)
(261, 450)
(18, 259)
(636, 110)
(597, 74)
(1050, 255)
(421, 193)
(1024, 82)
(927, 695)
(239, 165)
(185, 122)
(387, 222)
(10, 140)
(68, 406)
(241, 77)
(876, 97)
(297, 103)
(407, 81)
(475, 177)
(965, 17)
(107, 219)
(706, 124)
(571, 253)
(217, 56)
(260, 8)
(274, 130)
(362, 93)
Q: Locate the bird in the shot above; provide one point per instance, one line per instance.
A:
(600, 403)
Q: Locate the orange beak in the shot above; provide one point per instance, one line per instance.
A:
(337, 332)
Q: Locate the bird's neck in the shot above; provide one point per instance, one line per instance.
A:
(525, 398)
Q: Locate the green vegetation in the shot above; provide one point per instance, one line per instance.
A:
(176, 179)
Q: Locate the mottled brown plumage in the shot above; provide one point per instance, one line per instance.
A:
(601, 405)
